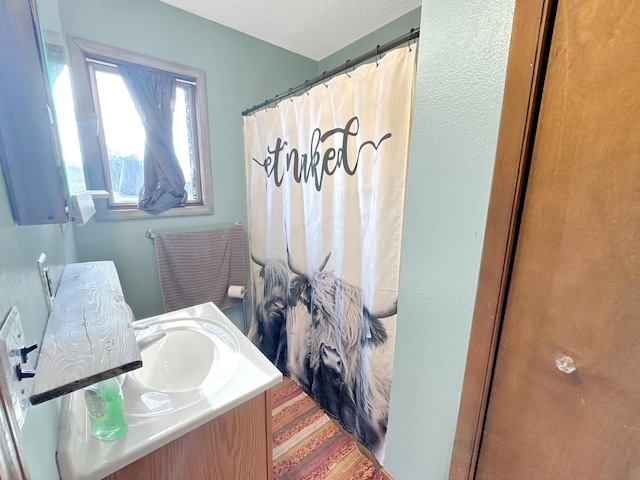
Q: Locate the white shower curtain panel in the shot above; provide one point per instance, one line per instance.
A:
(326, 174)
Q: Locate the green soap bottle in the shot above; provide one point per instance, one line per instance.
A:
(106, 409)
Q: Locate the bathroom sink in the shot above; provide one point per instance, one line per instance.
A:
(197, 366)
(184, 359)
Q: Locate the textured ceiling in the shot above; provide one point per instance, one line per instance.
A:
(315, 28)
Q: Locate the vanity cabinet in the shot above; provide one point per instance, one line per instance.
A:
(236, 445)
(28, 141)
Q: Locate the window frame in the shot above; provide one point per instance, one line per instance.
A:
(84, 56)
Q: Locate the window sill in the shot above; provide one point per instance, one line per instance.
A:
(103, 213)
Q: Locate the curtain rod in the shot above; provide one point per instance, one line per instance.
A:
(379, 50)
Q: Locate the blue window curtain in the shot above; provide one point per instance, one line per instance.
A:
(153, 93)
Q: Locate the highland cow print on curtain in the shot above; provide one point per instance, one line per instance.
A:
(326, 175)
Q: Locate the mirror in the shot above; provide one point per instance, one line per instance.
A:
(57, 59)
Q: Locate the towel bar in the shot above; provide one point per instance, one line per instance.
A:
(150, 234)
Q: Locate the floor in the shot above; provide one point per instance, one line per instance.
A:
(309, 445)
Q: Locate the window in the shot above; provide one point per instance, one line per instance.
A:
(113, 136)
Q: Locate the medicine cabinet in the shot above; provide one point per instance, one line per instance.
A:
(29, 152)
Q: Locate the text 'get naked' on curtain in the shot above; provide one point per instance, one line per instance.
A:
(326, 175)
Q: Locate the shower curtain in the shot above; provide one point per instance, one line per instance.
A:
(326, 174)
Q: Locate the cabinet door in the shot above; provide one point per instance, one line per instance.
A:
(28, 142)
(237, 445)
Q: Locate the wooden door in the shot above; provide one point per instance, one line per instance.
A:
(575, 283)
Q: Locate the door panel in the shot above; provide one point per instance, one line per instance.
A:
(575, 287)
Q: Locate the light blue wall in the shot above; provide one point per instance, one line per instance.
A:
(241, 71)
(381, 36)
(462, 58)
(20, 286)
(460, 83)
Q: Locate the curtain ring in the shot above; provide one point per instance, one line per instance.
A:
(305, 87)
(275, 99)
(346, 68)
(291, 95)
(377, 53)
(409, 41)
(323, 82)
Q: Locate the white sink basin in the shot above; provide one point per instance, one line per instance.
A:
(193, 354)
(179, 362)
(195, 357)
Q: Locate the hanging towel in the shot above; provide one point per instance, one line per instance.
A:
(199, 267)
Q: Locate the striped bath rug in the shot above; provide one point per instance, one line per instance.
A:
(308, 445)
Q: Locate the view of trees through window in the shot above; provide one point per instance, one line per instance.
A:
(103, 139)
(124, 137)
